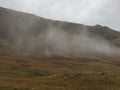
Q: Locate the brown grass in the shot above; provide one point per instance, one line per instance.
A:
(23, 72)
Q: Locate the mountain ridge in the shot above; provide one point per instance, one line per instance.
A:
(7, 9)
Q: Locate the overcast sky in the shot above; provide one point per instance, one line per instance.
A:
(90, 12)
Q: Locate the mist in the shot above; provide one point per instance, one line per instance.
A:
(54, 41)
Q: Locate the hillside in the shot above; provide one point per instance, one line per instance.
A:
(13, 23)
(43, 54)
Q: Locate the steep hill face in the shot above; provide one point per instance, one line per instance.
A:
(32, 33)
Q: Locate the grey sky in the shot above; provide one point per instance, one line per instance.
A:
(90, 12)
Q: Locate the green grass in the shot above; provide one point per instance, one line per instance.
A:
(12, 88)
(24, 74)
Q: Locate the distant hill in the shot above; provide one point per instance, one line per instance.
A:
(21, 29)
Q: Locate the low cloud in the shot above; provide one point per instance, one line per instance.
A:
(57, 42)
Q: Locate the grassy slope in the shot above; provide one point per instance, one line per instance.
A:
(19, 71)
(26, 72)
